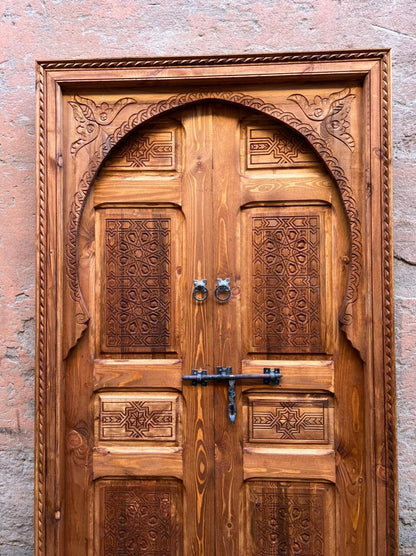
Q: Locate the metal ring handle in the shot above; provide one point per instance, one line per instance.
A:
(200, 291)
(223, 291)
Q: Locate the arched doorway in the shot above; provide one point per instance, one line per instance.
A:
(213, 192)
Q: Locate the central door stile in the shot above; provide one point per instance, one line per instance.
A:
(227, 327)
(197, 333)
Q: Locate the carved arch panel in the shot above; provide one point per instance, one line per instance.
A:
(313, 136)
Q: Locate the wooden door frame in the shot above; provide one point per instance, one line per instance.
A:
(57, 242)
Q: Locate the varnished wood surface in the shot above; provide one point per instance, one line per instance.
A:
(146, 463)
(214, 191)
(292, 464)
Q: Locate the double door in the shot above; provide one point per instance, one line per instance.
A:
(213, 241)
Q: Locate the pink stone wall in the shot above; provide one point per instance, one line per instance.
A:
(51, 29)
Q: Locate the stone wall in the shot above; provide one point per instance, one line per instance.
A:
(51, 29)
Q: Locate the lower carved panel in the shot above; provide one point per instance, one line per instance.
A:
(139, 517)
(290, 519)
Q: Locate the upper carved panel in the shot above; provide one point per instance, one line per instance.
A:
(146, 113)
(286, 276)
(136, 283)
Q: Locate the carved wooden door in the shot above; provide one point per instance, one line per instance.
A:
(211, 193)
(228, 217)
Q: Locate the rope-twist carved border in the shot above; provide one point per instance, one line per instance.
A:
(216, 60)
(388, 313)
(41, 309)
(246, 100)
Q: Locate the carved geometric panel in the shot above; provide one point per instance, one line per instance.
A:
(289, 419)
(136, 295)
(287, 276)
(276, 147)
(137, 417)
(150, 149)
(139, 517)
(290, 519)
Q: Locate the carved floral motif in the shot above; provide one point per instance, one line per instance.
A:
(333, 111)
(90, 116)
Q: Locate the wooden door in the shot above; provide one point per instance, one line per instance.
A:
(269, 176)
(213, 192)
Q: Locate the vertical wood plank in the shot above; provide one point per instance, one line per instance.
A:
(197, 332)
(227, 328)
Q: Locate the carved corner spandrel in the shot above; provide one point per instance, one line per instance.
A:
(331, 111)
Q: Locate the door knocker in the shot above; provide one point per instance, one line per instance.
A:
(200, 291)
(223, 291)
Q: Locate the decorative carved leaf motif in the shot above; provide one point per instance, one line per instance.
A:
(333, 111)
(90, 116)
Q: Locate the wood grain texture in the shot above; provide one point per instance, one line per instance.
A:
(202, 177)
(197, 334)
(308, 375)
(227, 325)
(163, 462)
(133, 373)
(300, 464)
